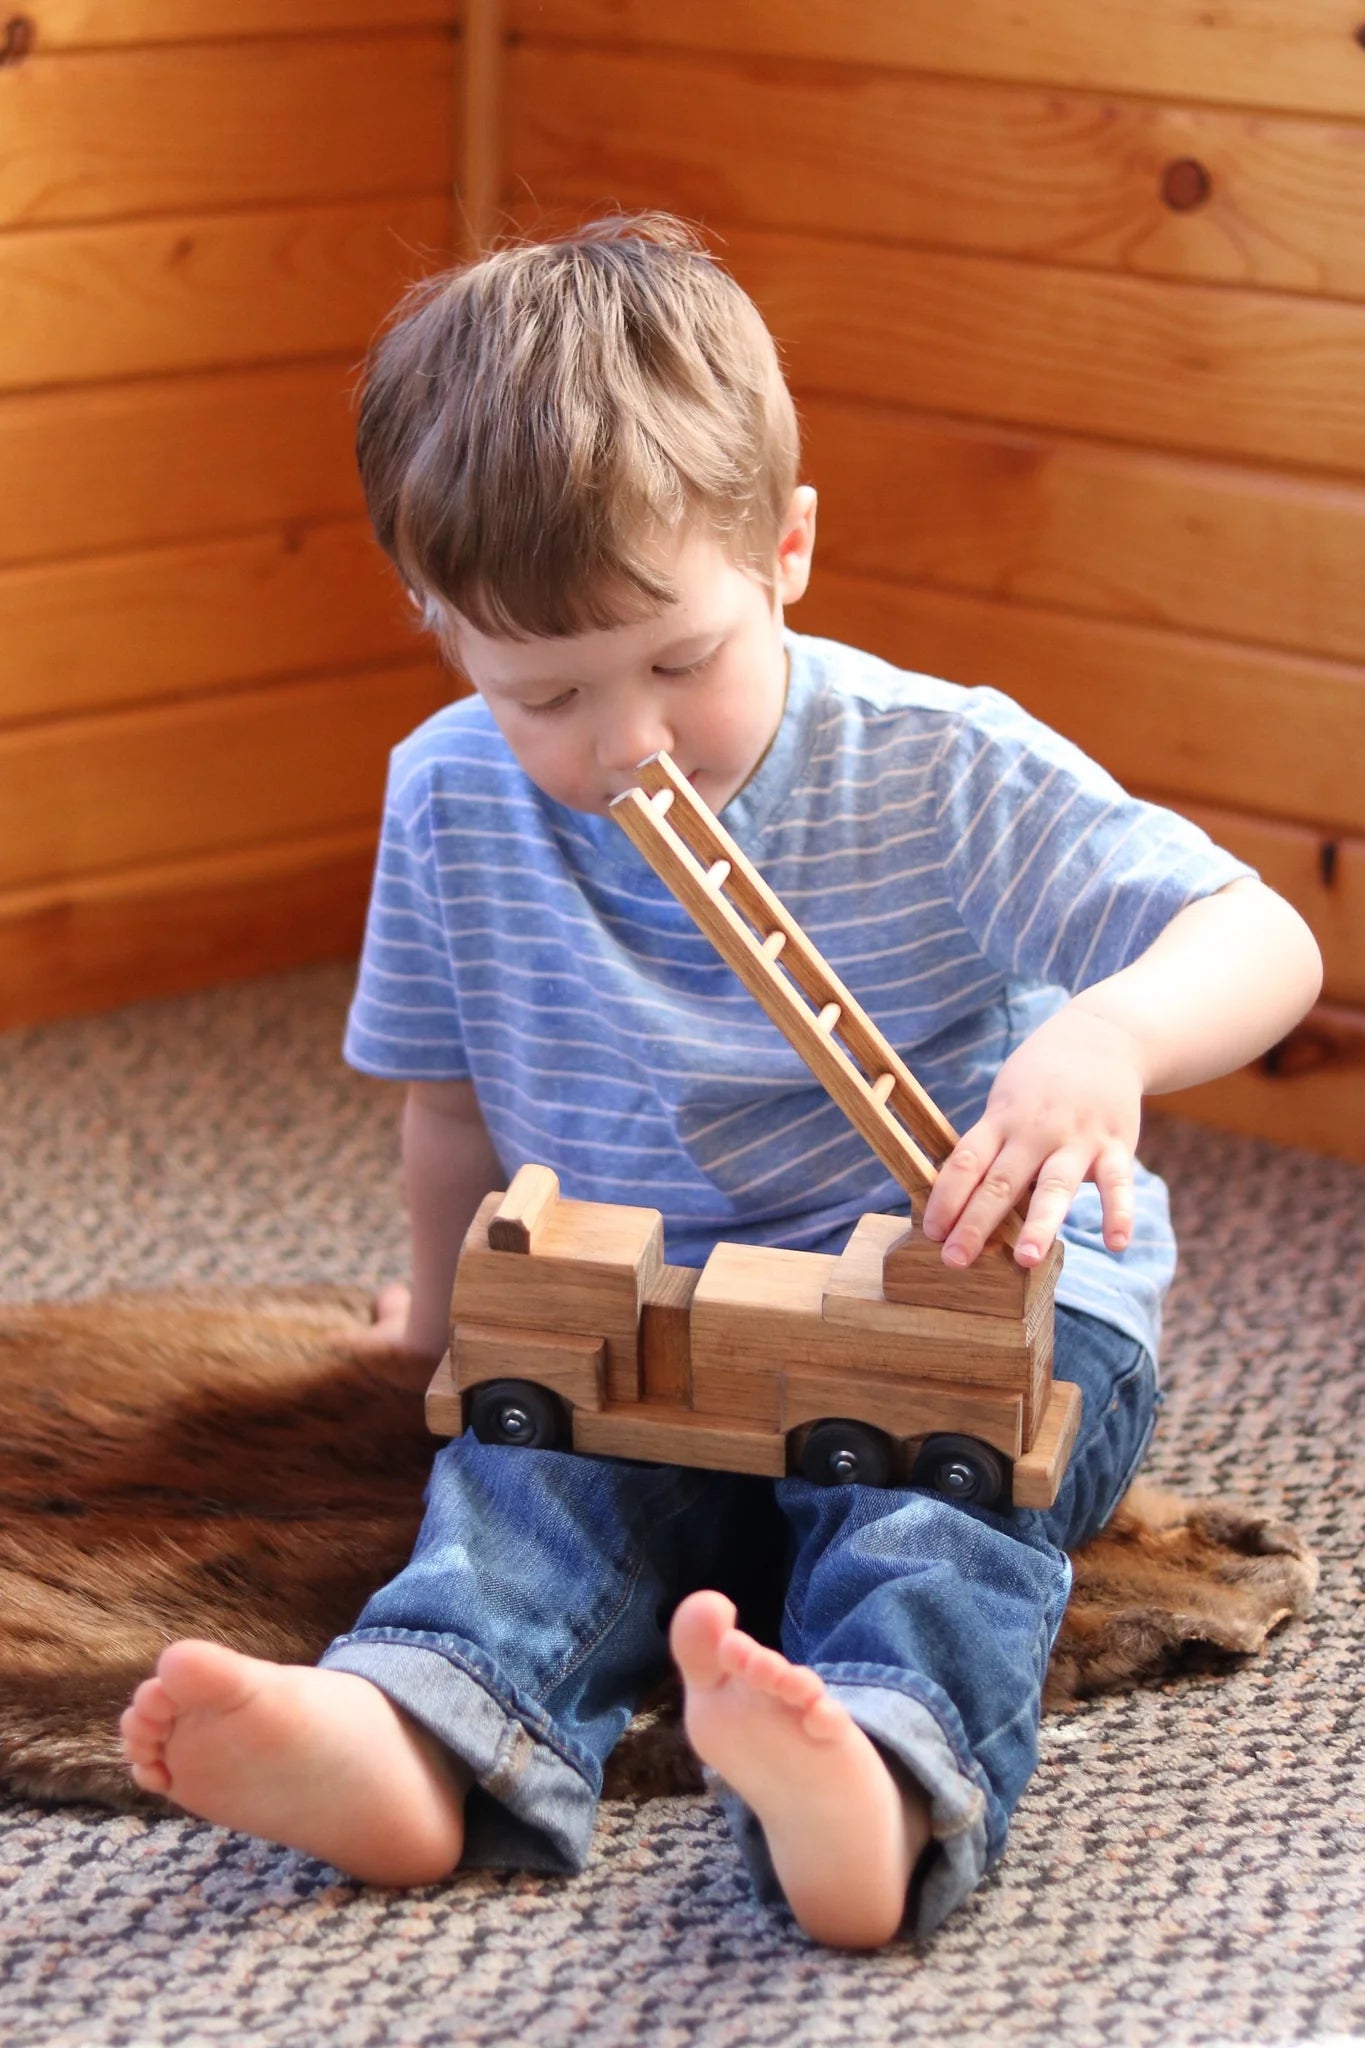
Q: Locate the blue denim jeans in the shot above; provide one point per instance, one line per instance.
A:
(533, 1617)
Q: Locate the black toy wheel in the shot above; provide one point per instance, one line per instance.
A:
(517, 1412)
(845, 1454)
(962, 1470)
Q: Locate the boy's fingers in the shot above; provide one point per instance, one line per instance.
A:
(1054, 1192)
(1113, 1175)
(997, 1190)
(958, 1178)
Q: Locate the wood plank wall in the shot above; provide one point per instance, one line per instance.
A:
(206, 207)
(1073, 301)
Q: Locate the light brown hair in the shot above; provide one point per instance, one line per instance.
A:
(531, 425)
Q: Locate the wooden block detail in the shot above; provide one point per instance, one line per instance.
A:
(759, 1313)
(758, 1277)
(913, 1272)
(637, 1431)
(443, 1407)
(666, 1336)
(1038, 1474)
(512, 1227)
(904, 1411)
(592, 1265)
(755, 1312)
(854, 1294)
(1035, 1407)
(724, 1392)
(572, 1366)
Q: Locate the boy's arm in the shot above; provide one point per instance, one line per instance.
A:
(449, 1165)
(1229, 976)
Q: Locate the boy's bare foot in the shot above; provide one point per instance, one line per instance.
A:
(318, 1760)
(844, 1835)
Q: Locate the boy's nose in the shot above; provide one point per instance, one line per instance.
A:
(631, 740)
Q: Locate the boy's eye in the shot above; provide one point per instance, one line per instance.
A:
(691, 668)
(551, 704)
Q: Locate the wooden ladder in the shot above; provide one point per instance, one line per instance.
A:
(690, 850)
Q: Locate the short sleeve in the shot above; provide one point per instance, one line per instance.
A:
(1059, 875)
(404, 1023)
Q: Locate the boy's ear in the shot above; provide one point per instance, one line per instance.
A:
(796, 546)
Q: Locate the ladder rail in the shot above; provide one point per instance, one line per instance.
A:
(708, 839)
(695, 856)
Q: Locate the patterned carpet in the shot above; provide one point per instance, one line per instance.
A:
(1188, 1868)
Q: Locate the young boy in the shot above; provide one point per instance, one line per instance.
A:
(583, 460)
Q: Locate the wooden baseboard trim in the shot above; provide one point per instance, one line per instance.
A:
(97, 942)
(1308, 1091)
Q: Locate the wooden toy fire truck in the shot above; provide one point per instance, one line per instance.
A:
(880, 1365)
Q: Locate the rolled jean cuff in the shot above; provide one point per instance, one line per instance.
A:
(907, 1730)
(531, 1806)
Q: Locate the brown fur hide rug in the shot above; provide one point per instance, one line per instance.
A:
(229, 1466)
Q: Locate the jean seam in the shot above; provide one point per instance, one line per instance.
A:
(537, 1724)
(963, 1756)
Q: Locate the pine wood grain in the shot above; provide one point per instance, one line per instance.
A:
(191, 127)
(102, 467)
(1310, 1091)
(85, 24)
(189, 778)
(1260, 53)
(1238, 552)
(1073, 178)
(1159, 710)
(95, 941)
(109, 630)
(205, 291)
(1210, 369)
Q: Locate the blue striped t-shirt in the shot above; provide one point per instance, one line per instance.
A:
(959, 865)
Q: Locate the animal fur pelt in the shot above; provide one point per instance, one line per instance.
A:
(231, 1466)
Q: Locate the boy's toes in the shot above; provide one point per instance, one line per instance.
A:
(151, 1706)
(141, 1743)
(150, 1777)
(824, 1720)
(702, 1623)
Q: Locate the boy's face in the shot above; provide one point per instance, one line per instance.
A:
(704, 679)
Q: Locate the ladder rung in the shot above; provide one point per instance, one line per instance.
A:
(716, 876)
(661, 801)
(773, 944)
(828, 1018)
(882, 1087)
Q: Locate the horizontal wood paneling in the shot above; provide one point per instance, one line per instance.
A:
(1068, 178)
(1085, 525)
(206, 211)
(103, 467)
(156, 785)
(81, 24)
(207, 290)
(1322, 875)
(159, 931)
(87, 635)
(203, 126)
(1201, 720)
(1218, 370)
(1297, 54)
(1310, 1091)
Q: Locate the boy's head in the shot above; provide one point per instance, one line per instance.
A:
(582, 457)
(532, 425)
